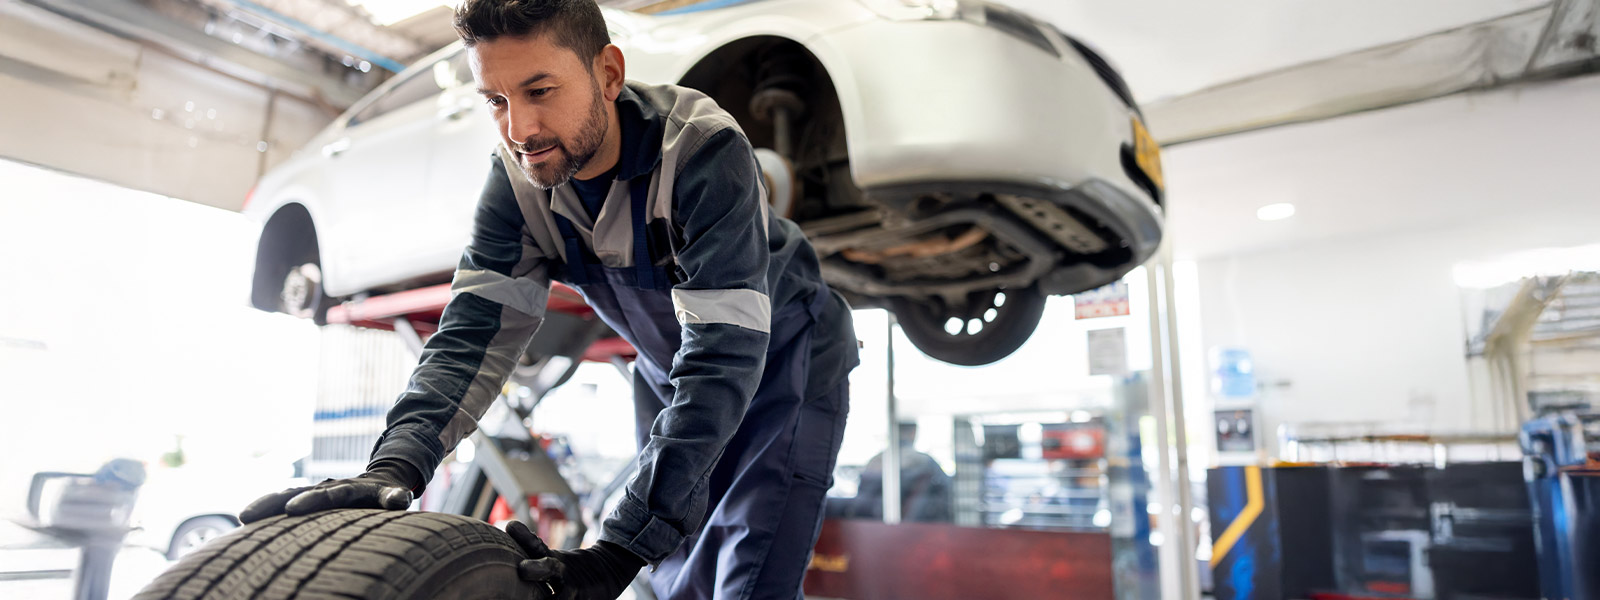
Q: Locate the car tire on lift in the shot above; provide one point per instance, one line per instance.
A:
(363, 554)
(1007, 321)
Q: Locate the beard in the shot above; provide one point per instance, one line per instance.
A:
(568, 156)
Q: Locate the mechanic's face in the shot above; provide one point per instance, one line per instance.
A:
(553, 110)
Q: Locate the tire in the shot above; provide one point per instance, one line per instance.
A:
(360, 554)
(1016, 314)
(194, 533)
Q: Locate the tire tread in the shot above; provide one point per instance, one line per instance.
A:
(358, 554)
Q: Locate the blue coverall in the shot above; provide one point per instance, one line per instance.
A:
(740, 382)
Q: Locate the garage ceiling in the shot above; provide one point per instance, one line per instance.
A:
(1168, 48)
(1515, 159)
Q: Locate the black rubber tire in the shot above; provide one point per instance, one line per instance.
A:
(924, 320)
(361, 554)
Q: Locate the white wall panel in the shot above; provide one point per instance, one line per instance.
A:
(1352, 302)
(294, 121)
(70, 48)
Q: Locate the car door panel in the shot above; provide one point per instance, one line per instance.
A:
(379, 177)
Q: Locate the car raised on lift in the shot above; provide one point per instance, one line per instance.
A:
(954, 161)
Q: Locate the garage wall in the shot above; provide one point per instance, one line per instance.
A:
(1351, 307)
(83, 101)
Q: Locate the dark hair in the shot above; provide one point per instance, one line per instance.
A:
(576, 25)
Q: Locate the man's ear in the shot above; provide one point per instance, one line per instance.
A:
(612, 71)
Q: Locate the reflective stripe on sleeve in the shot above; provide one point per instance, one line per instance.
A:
(749, 309)
(522, 294)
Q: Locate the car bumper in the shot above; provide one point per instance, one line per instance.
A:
(955, 100)
(961, 108)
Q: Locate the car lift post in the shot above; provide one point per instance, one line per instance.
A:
(1178, 566)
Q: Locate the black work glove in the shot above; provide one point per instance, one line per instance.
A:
(599, 572)
(387, 484)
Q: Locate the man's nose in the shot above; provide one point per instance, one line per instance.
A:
(522, 123)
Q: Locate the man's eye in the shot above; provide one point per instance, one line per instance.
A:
(495, 101)
(540, 92)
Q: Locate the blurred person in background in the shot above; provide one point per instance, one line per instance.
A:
(924, 487)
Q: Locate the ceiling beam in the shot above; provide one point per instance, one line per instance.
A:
(128, 18)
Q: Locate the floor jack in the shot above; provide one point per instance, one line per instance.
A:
(511, 474)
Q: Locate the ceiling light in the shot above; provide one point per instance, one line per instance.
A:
(1275, 212)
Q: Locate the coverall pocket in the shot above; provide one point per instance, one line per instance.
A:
(817, 438)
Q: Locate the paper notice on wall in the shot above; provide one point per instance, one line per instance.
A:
(1106, 301)
(1108, 352)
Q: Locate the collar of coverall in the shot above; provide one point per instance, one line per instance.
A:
(641, 135)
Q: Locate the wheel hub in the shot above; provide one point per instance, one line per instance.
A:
(300, 288)
(195, 538)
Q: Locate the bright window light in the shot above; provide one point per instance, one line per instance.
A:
(1275, 212)
(389, 12)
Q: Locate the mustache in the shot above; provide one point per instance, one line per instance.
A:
(531, 144)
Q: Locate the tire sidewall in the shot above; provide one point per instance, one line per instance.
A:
(489, 572)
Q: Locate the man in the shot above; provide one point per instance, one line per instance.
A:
(648, 200)
(925, 494)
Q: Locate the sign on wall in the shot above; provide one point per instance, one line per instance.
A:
(1108, 352)
(1106, 301)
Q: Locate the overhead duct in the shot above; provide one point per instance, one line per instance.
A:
(1552, 40)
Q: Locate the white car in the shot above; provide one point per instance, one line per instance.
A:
(953, 160)
(180, 510)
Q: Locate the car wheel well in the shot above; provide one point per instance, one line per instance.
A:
(224, 516)
(737, 72)
(288, 239)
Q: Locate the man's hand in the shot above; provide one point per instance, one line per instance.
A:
(387, 485)
(599, 572)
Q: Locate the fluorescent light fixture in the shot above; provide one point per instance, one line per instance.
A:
(389, 12)
(1275, 212)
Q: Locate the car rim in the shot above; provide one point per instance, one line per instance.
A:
(195, 538)
(978, 314)
(976, 330)
(300, 290)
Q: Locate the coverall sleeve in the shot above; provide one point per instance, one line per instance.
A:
(497, 301)
(725, 316)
